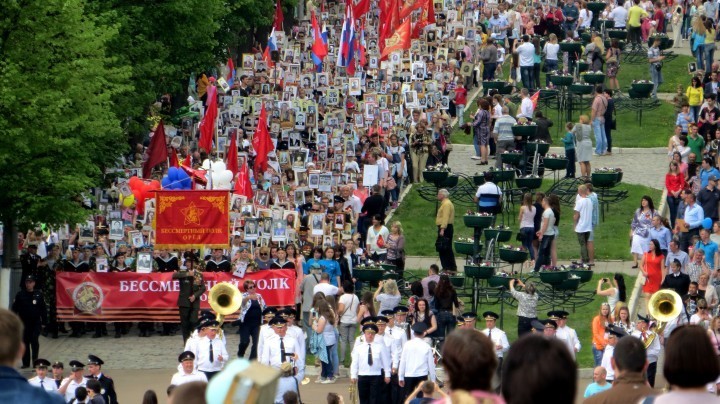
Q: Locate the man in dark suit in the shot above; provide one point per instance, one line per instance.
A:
(192, 286)
(711, 87)
(676, 280)
(107, 385)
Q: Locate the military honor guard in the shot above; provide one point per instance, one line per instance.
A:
(360, 339)
(282, 347)
(399, 325)
(265, 331)
(218, 262)
(290, 314)
(469, 320)
(57, 373)
(192, 287)
(107, 386)
(211, 351)
(546, 327)
(499, 340)
(29, 305)
(565, 334)
(371, 367)
(613, 334)
(416, 362)
(76, 379)
(187, 373)
(652, 346)
(41, 378)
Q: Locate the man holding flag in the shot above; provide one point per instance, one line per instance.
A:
(346, 55)
(319, 48)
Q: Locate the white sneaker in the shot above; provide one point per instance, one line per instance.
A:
(330, 380)
(475, 157)
(320, 380)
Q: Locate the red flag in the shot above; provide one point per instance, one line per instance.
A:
(534, 99)
(361, 8)
(157, 151)
(409, 8)
(318, 47)
(207, 125)
(399, 40)
(243, 186)
(261, 142)
(279, 18)
(232, 157)
(188, 161)
(427, 17)
(174, 162)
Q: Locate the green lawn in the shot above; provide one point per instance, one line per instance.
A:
(654, 130)
(611, 236)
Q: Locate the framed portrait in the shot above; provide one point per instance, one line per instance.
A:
(144, 263)
(101, 264)
(116, 230)
(252, 228)
(87, 232)
(317, 221)
(136, 238)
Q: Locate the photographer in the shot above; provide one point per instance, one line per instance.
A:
(655, 59)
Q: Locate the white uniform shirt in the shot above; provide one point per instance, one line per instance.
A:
(653, 351)
(203, 356)
(72, 386)
(399, 334)
(182, 377)
(416, 360)
(299, 336)
(393, 347)
(498, 337)
(381, 360)
(569, 337)
(606, 363)
(47, 383)
(265, 333)
(272, 354)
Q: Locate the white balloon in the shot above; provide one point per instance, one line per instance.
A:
(218, 166)
(226, 176)
(206, 164)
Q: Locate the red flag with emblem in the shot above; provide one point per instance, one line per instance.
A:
(261, 143)
(243, 186)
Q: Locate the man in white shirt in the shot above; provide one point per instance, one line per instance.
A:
(324, 286)
(351, 201)
(567, 335)
(416, 362)
(212, 353)
(75, 380)
(282, 347)
(613, 333)
(499, 340)
(488, 196)
(526, 106)
(187, 373)
(371, 367)
(583, 221)
(265, 330)
(41, 379)
(643, 332)
(290, 314)
(619, 15)
(526, 51)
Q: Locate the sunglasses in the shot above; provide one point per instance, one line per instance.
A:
(263, 253)
(251, 287)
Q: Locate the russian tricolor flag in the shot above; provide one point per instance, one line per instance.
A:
(231, 75)
(319, 48)
(347, 42)
(271, 46)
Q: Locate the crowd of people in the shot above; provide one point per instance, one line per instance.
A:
(348, 134)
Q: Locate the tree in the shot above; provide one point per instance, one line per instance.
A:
(58, 130)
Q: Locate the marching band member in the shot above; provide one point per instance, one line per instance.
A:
(41, 380)
(371, 367)
(499, 340)
(653, 350)
(416, 361)
(564, 333)
(212, 353)
(187, 373)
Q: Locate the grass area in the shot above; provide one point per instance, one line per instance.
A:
(611, 236)
(654, 131)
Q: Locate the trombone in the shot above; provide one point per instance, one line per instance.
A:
(664, 306)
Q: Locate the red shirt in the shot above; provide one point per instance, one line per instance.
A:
(660, 18)
(460, 96)
(674, 183)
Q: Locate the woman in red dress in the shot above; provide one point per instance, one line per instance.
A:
(653, 267)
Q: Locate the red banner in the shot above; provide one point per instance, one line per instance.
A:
(192, 219)
(131, 296)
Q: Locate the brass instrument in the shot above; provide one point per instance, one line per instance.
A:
(352, 392)
(664, 306)
(225, 299)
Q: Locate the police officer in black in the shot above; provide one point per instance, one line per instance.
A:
(218, 262)
(29, 305)
(30, 262)
(192, 286)
(107, 385)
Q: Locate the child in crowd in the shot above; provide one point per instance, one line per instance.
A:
(680, 99)
(569, 142)
(684, 117)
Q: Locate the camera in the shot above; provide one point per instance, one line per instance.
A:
(604, 280)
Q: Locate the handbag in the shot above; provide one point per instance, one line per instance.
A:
(390, 184)
(380, 241)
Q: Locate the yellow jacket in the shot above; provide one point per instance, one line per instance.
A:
(694, 95)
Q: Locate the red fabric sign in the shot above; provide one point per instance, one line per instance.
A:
(192, 219)
(131, 296)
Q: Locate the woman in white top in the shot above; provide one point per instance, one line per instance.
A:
(546, 234)
(325, 325)
(377, 236)
(702, 317)
(348, 308)
(615, 293)
(585, 17)
(527, 223)
(550, 50)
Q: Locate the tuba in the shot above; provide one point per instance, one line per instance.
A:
(225, 299)
(664, 306)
